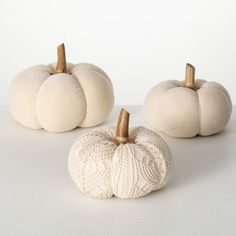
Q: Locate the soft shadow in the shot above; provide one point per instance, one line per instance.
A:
(200, 157)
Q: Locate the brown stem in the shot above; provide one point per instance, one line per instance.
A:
(122, 129)
(61, 59)
(190, 77)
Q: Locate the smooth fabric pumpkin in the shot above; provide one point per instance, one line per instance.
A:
(188, 108)
(59, 100)
(104, 163)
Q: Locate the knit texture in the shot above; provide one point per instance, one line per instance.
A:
(182, 112)
(63, 101)
(102, 169)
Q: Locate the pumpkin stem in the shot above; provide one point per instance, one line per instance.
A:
(61, 59)
(122, 129)
(190, 77)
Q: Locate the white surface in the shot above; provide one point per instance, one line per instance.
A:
(39, 198)
(138, 43)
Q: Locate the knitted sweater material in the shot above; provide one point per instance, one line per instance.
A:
(102, 169)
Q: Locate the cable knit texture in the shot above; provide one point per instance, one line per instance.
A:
(102, 169)
(62, 101)
(182, 112)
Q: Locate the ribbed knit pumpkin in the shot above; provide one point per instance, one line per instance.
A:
(60, 97)
(105, 163)
(188, 108)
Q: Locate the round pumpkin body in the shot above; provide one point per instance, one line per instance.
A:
(101, 168)
(82, 97)
(183, 112)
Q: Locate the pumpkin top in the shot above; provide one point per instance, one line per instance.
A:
(61, 59)
(190, 77)
(122, 128)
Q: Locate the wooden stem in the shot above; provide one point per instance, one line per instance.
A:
(122, 129)
(61, 59)
(190, 77)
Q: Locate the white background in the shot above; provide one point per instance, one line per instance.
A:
(138, 43)
(38, 197)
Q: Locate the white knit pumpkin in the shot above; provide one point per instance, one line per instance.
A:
(101, 168)
(58, 102)
(186, 109)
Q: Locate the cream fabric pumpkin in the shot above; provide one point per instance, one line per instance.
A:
(103, 164)
(59, 99)
(189, 108)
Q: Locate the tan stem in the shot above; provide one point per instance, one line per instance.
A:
(61, 59)
(122, 129)
(190, 77)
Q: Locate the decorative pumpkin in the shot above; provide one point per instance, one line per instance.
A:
(61, 97)
(104, 163)
(188, 108)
